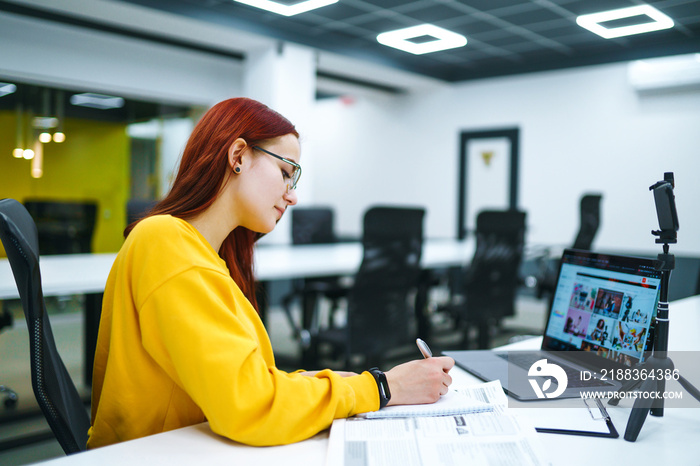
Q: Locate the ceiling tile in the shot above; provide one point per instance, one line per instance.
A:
(504, 36)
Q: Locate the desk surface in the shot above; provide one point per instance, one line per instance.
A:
(671, 439)
(87, 273)
(283, 261)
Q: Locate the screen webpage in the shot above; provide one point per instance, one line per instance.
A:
(604, 310)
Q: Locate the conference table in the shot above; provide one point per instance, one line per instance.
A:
(63, 275)
(87, 273)
(671, 439)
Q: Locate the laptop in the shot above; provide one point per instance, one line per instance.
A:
(601, 319)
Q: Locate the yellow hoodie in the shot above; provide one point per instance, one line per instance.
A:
(180, 344)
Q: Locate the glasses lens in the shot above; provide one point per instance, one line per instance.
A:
(296, 174)
(295, 177)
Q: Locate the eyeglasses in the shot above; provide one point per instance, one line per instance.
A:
(291, 178)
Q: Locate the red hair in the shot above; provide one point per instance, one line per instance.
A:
(204, 165)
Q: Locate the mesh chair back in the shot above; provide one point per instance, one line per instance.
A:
(63, 227)
(312, 225)
(590, 221)
(492, 277)
(380, 316)
(54, 390)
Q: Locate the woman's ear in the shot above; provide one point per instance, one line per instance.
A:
(235, 154)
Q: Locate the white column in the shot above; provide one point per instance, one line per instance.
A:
(284, 78)
(174, 133)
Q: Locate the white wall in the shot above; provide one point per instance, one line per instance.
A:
(582, 130)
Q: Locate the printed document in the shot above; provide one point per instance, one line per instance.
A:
(475, 438)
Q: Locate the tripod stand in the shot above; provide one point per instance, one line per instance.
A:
(658, 362)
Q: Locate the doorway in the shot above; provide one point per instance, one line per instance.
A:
(488, 174)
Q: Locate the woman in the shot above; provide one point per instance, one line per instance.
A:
(180, 341)
(597, 333)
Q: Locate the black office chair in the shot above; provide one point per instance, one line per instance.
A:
(490, 281)
(63, 227)
(685, 278)
(380, 316)
(55, 392)
(589, 223)
(136, 209)
(312, 225)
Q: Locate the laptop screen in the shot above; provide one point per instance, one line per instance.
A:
(605, 305)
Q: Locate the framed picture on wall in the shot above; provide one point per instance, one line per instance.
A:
(488, 174)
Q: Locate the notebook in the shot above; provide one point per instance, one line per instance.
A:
(601, 319)
(458, 400)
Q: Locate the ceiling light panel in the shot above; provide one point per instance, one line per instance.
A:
(101, 101)
(593, 22)
(287, 9)
(7, 88)
(440, 39)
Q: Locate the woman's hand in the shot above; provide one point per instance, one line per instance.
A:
(419, 382)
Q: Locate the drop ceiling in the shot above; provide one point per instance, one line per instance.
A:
(505, 37)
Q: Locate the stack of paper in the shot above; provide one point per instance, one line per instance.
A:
(470, 425)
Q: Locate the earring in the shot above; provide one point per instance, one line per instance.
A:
(237, 169)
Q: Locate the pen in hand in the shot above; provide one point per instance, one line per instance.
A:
(424, 349)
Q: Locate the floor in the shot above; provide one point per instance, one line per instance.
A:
(26, 422)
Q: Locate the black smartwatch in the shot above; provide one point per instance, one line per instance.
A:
(382, 386)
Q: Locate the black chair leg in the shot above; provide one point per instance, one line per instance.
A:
(484, 335)
(93, 311)
(8, 395)
(309, 347)
(421, 306)
(466, 338)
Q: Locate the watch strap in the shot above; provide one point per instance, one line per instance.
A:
(382, 386)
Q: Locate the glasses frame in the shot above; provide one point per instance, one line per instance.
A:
(295, 178)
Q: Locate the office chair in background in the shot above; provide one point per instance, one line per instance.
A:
(589, 213)
(380, 316)
(589, 223)
(312, 225)
(487, 288)
(64, 227)
(55, 392)
(137, 209)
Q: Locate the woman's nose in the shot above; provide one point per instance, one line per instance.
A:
(291, 197)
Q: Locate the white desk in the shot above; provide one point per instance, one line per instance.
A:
(673, 439)
(282, 262)
(87, 273)
(63, 275)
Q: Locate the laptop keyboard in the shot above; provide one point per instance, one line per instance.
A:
(526, 359)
